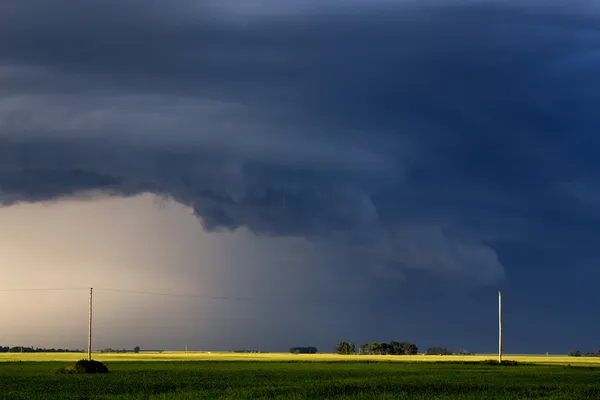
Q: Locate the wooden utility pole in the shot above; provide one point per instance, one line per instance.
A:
(90, 328)
(500, 327)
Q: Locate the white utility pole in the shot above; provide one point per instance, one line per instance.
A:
(90, 328)
(500, 327)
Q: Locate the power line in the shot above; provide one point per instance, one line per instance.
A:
(186, 295)
(139, 292)
(195, 296)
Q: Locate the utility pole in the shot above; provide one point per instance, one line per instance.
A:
(90, 327)
(500, 327)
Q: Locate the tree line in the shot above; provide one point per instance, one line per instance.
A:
(438, 351)
(136, 350)
(392, 348)
(25, 349)
(304, 350)
(577, 353)
(378, 348)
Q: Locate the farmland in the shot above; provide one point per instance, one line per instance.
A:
(287, 357)
(262, 376)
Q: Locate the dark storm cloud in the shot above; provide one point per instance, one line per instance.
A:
(416, 135)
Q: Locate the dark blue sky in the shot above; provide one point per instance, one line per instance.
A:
(434, 151)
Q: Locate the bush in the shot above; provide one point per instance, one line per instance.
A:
(85, 367)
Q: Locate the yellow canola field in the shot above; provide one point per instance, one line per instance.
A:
(223, 356)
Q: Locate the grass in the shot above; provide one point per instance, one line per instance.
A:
(243, 376)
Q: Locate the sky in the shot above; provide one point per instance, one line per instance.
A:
(300, 173)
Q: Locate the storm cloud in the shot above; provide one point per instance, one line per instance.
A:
(429, 136)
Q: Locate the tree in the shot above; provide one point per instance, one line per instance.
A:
(345, 348)
(379, 348)
(136, 349)
(395, 348)
(351, 348)
(386, 348)
(410, 349)
(392, 348)
(364, 348)
(575, 353)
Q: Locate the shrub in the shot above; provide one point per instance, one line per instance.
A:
(85, 367)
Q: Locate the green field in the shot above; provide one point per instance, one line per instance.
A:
(268, 376)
